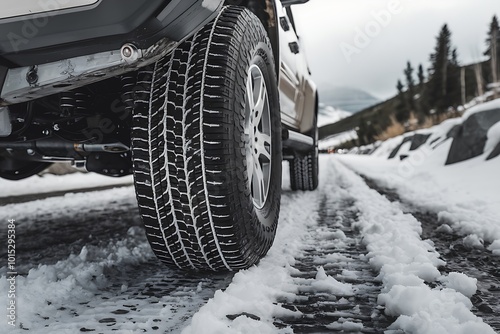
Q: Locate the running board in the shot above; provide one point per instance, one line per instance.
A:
(297, 141)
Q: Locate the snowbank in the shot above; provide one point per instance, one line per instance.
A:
(464, 194)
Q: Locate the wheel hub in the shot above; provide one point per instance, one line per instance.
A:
(258, 136)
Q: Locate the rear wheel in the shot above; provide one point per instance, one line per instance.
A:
(207, 148)
(304, 168)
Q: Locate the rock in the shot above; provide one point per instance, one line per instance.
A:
(470, 137)
(248, 315)
(396, 150)
(418, 140)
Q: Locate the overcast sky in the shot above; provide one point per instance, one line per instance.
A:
(366, 43)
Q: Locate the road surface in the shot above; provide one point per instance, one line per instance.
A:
(83, 265)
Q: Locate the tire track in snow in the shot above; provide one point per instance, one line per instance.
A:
(336, 249)
(315, 278)
(466, 255)
(85, 265)
(424, 300)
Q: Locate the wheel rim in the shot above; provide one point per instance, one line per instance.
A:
(258, 136)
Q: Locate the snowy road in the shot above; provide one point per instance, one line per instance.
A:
(350, 256)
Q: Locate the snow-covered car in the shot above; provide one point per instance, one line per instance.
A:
(199, 99)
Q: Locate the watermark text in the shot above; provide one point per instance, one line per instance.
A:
(11, 272)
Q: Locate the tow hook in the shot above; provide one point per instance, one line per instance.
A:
(32, 75)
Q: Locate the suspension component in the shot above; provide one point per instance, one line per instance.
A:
(73, 101)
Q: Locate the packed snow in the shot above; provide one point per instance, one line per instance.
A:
(405, 262)
(423, 298)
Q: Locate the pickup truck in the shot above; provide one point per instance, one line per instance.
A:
(201, 100)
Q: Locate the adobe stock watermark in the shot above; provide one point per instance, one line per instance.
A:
(416, 159)
(30, 28)
(11, 272)
(363, 36)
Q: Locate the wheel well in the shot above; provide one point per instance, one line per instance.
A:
(266, 11)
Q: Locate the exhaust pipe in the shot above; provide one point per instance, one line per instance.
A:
(48, 148)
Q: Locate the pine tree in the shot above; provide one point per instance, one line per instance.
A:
(362, 132)
(402, 112)
(410, 83)
(400, 87)
(422, 105)
(440, 60)
(453, 97)
(421, 77)
(493, 47)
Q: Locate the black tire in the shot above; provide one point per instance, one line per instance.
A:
(190, 150)
(304, 169)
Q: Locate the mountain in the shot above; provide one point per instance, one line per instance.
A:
(346, 98)
(329, 115)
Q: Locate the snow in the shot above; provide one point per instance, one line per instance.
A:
(346, 326)
(92, 285)
(326, 283)
(445, 228)
(495, 247)
(465, 198)
(328, 115)
(494, 104)
(404, 261)
(473, 241)
(49, 289)
(255, 290)
(493, 138)
(461, 283)
(464, 195)
(48, 183)
(424, 310)
(337, 139)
